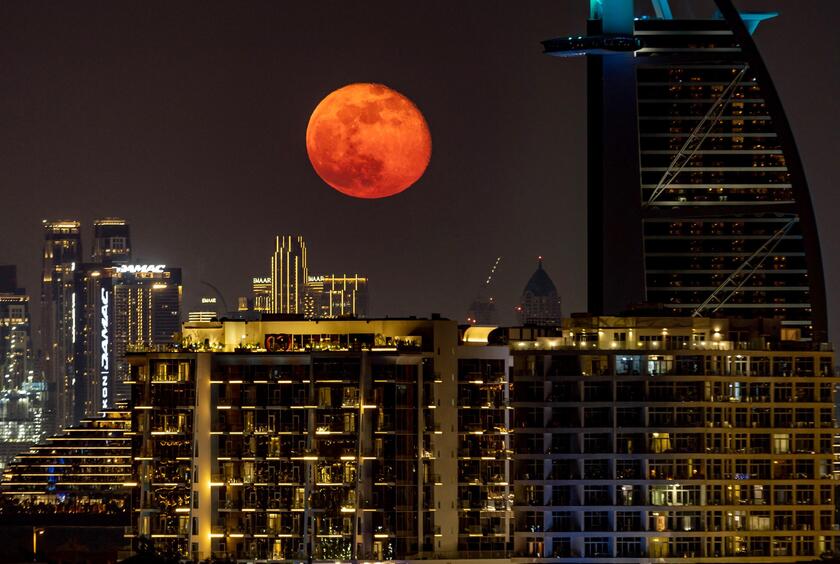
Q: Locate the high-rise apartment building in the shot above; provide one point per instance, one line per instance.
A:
(95, 340)
(118, 306)
(22, 389)
(146, 315)
(660, 440)
(289, 273)
(612, 439)
(327, 443)
(62, 253)
(697, 196)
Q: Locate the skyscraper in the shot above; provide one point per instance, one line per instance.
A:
(95, 340)
(146, 314)
(335, 295)
(540, 303)
(119, 307)
(289, 273)
(22, 390)
(111, 241)
(62, 253)
(697, 196)
(290, 289)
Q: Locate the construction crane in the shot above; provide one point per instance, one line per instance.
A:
(482, 310)
(492, 272)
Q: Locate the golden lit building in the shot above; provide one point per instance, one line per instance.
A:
(289, 273)
(291, 290)
(261, 292)
(85, 470)
(146, 314)
(306, 437)
(664, 439)
(607, 439)
(330, 296)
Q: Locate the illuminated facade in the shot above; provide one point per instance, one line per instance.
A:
(62, 253)
(330, 296)
(329, 439)
(666, 439)
(640, 439)
(94, 357)
(261, 291)
(119, 307)
(291, 290)
(289, 273)
(83, 472)
(146, 314)
(697, 196)
(208, 312)
(94, 315)
(22, 390)
(15, 332)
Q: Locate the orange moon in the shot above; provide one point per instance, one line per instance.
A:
(368, 141)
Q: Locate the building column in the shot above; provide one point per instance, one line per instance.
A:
(201, 509)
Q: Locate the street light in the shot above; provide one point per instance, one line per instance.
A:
(35, 532)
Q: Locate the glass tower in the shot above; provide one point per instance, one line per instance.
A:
(62, 252)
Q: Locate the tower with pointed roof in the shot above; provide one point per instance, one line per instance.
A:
(540, 303)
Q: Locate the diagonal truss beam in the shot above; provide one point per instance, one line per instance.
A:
(744, 272)
(662, 9)
(697, 136)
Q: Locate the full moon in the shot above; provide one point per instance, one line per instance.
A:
(368, 141)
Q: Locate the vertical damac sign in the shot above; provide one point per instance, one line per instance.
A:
(104, 364)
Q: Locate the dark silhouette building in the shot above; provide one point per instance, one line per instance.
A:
(697, 197)
(111, 241)
(540, 303)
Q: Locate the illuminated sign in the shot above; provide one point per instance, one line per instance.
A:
(208, 300)
(266, 280)
(135, 268)
(104, 363)
(278, 343)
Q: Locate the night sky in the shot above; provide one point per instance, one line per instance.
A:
(188, 119)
